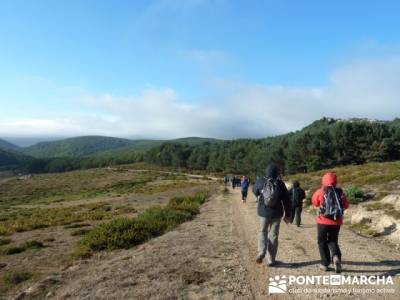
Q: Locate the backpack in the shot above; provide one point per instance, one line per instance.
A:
(270, 192)
(332, 207)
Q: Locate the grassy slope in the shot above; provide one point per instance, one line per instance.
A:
(377, 178)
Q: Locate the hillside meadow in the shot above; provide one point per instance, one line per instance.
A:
(49, 221)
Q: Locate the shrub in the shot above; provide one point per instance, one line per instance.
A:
(355, 195)
(307, 201)
(124, 233)
(79, 232)
(4, 241)
(30, 219)
(33, 244)
(15, 278)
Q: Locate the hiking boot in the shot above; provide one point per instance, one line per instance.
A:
(323, 268)
(259, 259)
(337, 264)
(271, 264)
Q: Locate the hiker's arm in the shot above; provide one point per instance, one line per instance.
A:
(316, 199)
(257, 187)
(303, 194)
(286, 200)
(345, 202)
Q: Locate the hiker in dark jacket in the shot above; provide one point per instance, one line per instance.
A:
(244, 188)
(226, 180)
(270, 215)
(296, 196)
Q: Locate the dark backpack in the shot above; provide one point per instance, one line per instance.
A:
(332, 206)
(270, 192)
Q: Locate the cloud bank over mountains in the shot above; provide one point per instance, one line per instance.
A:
(368, 88)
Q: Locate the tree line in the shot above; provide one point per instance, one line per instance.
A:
(323, 144)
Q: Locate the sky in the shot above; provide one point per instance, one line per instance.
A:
(177, 68)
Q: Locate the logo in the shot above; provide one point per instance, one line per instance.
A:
(325, 284)
(335, 280)
(277, 285)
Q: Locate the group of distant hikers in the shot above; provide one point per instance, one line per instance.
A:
(236, 181)
(275, 202)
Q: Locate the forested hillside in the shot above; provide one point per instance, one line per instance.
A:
(103, 145)
(323, 144)
(12, 160)
(7, 145)
(78, 146)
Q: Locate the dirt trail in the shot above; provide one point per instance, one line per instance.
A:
(198, 260)
(298, 254)
(213, 257)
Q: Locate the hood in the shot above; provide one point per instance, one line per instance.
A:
(272, 171)
(329, 179)
(296, 184)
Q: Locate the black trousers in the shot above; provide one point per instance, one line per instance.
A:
(244, 195)
(296, 215)
(328, 242)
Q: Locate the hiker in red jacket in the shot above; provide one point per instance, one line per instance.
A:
(331, 202)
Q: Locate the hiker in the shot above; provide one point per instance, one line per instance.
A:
(331, 202)
(296, 196)
(273, 202)
(226, 180)
(244, 188)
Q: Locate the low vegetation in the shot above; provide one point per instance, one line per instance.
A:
(354, 194)
(124, 233)
(360, 182)
(387, 208)
(87, 184)
(4, 241)
(80, 232)
(11, 279)
(36, 218)
(33, 244)
(54, 212)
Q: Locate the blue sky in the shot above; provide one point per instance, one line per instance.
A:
(173, 68)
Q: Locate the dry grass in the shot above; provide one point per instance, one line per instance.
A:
(48, 214)
(124, 233)
(84, 184)
(12, 279)
(380, 179)
(36, 218)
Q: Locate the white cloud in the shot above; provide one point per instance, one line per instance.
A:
(361, 89)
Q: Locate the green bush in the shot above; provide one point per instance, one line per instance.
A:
(354, 194)
(80, 232)
(4, 241)
(33, 244)
(124, 233)
(15, 278)
(307, 201)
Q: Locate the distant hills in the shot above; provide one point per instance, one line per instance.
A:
(323, 144)
(89, 145)
(12, 160)
(5, 145)
(93, 150)
(77, 146)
